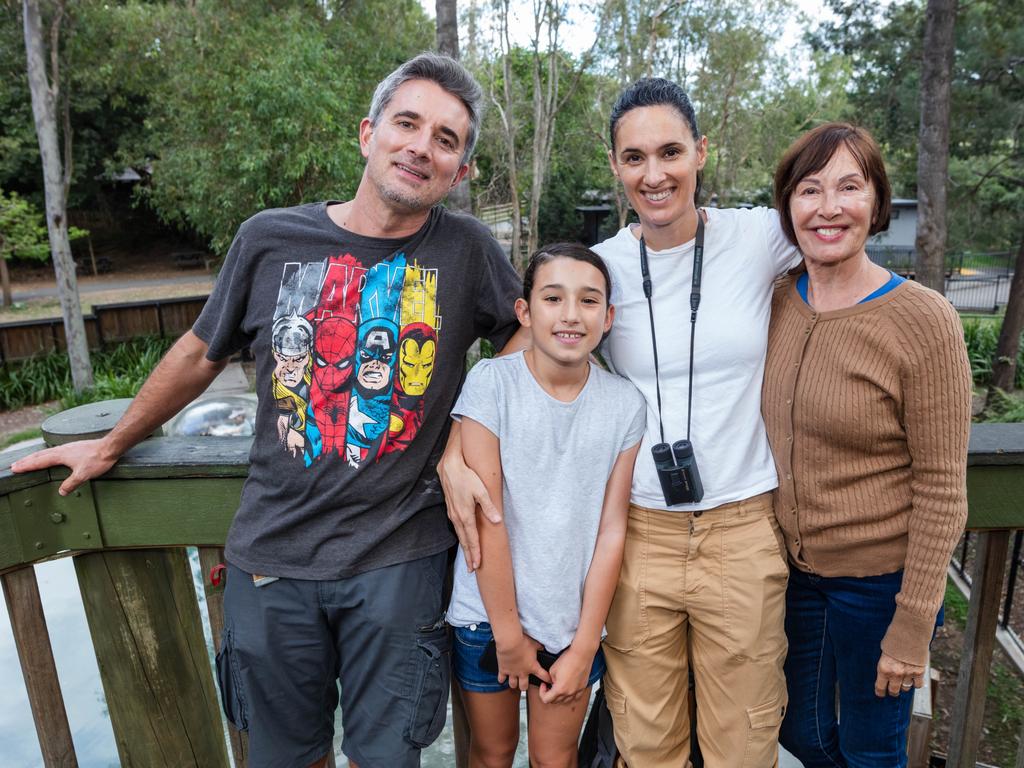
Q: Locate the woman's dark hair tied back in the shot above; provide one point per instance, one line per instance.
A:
(575, 251)
(657, 92)
(653, 92)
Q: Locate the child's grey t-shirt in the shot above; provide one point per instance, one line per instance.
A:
(556, 459)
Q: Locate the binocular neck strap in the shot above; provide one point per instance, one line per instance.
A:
(698, 266)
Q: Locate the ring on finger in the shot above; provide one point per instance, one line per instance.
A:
(906, 685)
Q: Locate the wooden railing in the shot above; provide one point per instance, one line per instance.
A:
(127, 532)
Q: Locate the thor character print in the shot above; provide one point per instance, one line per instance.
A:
(354, 351)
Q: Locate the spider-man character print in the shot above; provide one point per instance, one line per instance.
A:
(333, 347)
(368, 358)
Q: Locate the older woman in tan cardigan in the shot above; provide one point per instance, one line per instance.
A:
(866, 399)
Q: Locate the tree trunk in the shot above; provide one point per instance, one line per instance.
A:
(545, 92)
(5, 282)
(1004, 365)
(933, 150)
(447, 13)
(55, 182)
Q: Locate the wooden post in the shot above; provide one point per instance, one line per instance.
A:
(979, 640)
(920, 732)
(145, 626)
(36, 656)
(210, 557)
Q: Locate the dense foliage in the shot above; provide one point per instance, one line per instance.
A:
(224, 107)
(883, 48)
(119, 371)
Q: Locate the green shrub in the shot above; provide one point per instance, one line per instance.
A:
(1005, 408)
(117, 372)
(33, 381)
(982, 337)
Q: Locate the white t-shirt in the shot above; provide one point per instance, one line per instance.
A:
(556, 459)
(744, 251)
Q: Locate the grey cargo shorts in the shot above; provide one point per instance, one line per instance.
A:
(288, 643)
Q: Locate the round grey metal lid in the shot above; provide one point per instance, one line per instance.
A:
(84, 422)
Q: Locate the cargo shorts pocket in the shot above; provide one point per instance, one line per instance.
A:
(229, 681)
(763, 723)
(432, 675)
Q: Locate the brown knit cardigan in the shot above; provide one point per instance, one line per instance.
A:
(868, 412)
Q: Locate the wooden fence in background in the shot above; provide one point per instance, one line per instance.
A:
(108, 323)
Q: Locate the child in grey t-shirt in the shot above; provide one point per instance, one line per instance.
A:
(555, 439)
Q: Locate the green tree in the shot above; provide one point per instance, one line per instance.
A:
(884, 50)
(22, 235)
(261, 106)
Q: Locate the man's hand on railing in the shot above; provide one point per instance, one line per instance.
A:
(85, 458)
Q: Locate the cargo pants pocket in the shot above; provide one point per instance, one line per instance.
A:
(229, 681)
(432, 676)
(763, 723)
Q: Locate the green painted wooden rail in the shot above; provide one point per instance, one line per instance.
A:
(126, 530)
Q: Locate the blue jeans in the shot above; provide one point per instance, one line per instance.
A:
(835, 626)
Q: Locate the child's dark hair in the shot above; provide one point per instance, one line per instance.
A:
(655, 92)
(574, 251)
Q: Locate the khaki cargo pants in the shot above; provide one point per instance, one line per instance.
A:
(705, 591)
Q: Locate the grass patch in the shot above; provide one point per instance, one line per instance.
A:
(1006, 692)
(16, 437)
(956, 605)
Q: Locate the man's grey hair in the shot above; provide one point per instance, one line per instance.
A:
(447, 73)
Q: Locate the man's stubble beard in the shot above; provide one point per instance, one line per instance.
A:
(408, 202)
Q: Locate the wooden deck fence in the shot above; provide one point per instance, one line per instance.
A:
(127, 532)
(108, 323)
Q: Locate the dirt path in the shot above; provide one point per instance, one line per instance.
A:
(12, 422)
(31, 291)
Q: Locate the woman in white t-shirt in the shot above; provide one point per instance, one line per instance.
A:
(704, 573)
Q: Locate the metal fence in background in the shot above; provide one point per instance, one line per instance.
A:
(975, 282)
(1011, 618)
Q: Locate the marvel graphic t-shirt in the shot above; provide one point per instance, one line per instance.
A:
(360, 348)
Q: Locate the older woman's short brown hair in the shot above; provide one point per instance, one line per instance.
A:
(812, 152)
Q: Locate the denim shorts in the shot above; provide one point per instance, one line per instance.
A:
(469, 647)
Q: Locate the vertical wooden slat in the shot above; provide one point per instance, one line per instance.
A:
(146, 629)
(919, 735)
(979, 641)
(209, 557)
(36, 656)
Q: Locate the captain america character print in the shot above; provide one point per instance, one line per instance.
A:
(354, 350)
